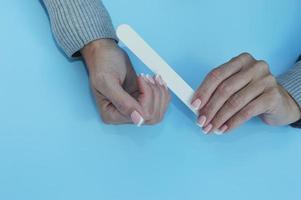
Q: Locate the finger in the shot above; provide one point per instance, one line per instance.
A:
(124, 102)
(108, 112)
(146, 93)
(149, 99)
(163, 87)
(154, 110)
(239, 100)
(216, 77)
(224, 91)
(163, 96)
(256, 107)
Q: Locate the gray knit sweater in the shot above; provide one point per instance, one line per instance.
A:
(75, 23)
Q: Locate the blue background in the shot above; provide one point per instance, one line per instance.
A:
(53, 145)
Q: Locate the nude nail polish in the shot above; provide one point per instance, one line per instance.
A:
(151, 80)
(159, 79)
(137, 118)
(218, 132)
(201, 121)
(221, 130)
(196, 104)
(207, 129)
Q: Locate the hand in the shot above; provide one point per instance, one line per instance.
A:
(239, 90)
(121, 96)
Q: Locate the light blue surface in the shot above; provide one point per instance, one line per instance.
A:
(53, 145)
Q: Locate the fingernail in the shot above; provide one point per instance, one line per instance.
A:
(150, 79)
(137, 118)
(142, 75)
(159, 79)
(218, 132)
(201, 121)
(221, 130)
(207, 129)
(196, 104)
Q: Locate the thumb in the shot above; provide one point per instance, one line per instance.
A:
(125, 103)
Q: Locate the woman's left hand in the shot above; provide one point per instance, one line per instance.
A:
(239, 90)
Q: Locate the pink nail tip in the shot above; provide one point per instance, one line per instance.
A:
(137, 118)
(207, 129)
(218, 132)
(150, 79)
(200, 125)
(202, 121)
(196, 104)
(222, 130)
(159, 79)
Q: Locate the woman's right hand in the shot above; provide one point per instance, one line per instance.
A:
(241, 89)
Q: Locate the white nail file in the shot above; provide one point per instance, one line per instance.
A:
(156, 64)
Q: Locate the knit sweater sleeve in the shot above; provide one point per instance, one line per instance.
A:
(78, 22)
(291, 81)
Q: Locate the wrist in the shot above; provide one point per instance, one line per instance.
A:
(96, 48)
(295, 110)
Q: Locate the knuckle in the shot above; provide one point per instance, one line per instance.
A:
(234, 102)
(246, 114)
(224, 89)
(262, 62)
(271, 80)
(245, 57)
(124, 106)
(262, 66)
(215, 74)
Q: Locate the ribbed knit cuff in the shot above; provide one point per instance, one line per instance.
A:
(291, 81)
(76, 23)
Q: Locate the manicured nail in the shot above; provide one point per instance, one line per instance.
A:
(143, 76)
(201, 121)
(218, 132)
(137, 118)
(196, 104)
(159, 80)
(207, 129)
(150, 79)
(162, 82)
(221, 130)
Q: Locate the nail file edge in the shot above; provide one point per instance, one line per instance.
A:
(156, 64)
